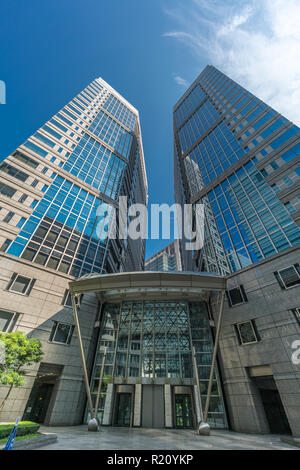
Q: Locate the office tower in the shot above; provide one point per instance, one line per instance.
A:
(167, 259)
(241, 159)
(58, 190)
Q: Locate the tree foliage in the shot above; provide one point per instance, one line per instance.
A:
(20, 352)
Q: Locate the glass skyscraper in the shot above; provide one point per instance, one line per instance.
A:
(58, 192)
(61, 185)
(167, 259)
(240, 158)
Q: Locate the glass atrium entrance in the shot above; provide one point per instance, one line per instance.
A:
(150, 324)
(150, 343)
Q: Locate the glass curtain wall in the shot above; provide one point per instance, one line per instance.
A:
(153, 339)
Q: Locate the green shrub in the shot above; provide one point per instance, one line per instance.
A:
(24, 428)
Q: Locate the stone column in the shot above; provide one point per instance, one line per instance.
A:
(168, 406)
(108, 406)
(197, 404)
(137, 405)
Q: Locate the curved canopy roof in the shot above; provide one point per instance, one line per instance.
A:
(149, 285)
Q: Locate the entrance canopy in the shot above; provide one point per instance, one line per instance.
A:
(149, 285)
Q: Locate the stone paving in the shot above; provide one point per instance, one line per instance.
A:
(114, 438)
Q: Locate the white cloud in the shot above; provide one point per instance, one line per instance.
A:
(255, 42)
(181, 81)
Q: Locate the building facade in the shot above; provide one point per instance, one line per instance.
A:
(58, 192)
(241, 159)
(167, 259)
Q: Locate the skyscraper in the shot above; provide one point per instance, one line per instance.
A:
(240, 158)
(167, 259)
(58, 190)
(73, 169)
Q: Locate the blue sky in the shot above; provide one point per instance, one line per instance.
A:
(148, 50)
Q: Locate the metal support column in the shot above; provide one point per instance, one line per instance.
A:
(100, 385)
(214, 356)
(86, 379)
(198, 384)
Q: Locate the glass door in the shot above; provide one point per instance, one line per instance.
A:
(183, 411)
(123, 410)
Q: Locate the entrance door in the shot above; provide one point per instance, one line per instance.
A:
(153, 408)
(275, 412)
(38, 403)
(183, 411)
(123, 411)
(273, 406)
(40, 396)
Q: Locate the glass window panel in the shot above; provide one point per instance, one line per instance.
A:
(5, 319)
(20, 284)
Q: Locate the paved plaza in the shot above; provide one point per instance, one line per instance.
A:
(114, 438)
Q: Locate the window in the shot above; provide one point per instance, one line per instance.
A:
(275, 188)
(64, 267)
(41, 232)
(41, 259)
(61, 333)
(288, 277)
(12, 171)
(51, 237)
(8, 217)
(62, 241)
(53, 262)
(236, 296)
(274, 165)
(35, 148)
(264, 172)
(288, 181)
(23, 198)
(7, 320)
(29, 254)
(24, 159)
(20, 284)
(72, 245)
(290, 207)
(7, 190)
(44, 139)
(34, 183)
(5, 245)
(246, 332)
(21, 222)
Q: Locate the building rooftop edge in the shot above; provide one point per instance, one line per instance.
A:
(118, 95)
